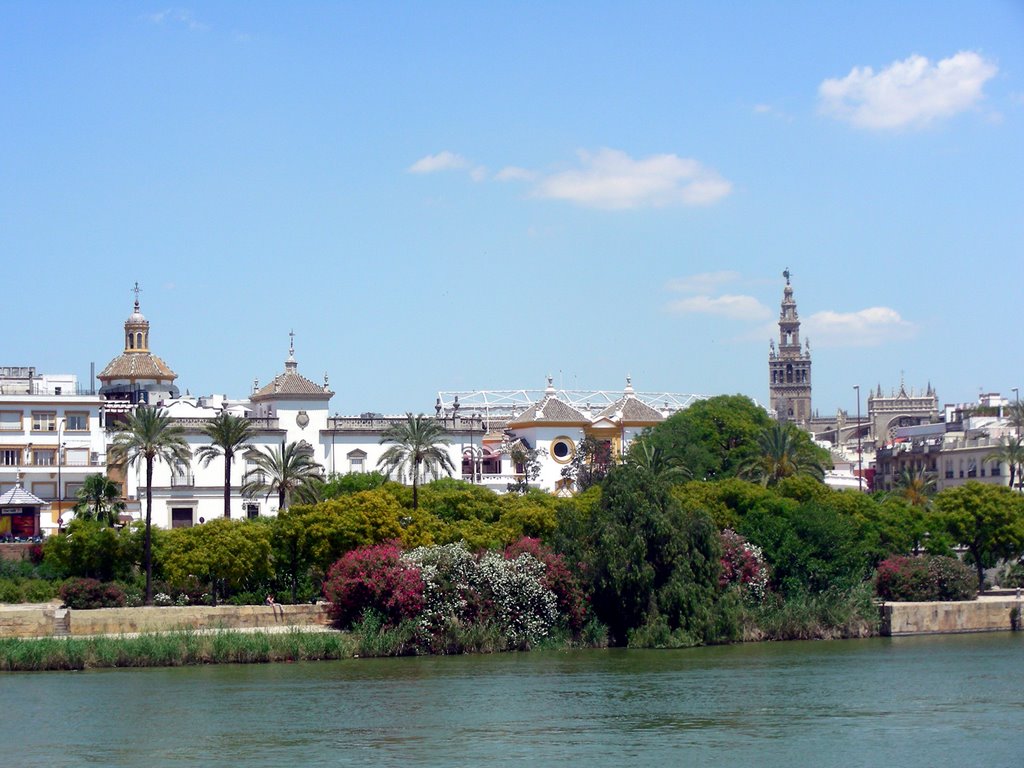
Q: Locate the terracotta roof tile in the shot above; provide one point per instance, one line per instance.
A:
(137, 365)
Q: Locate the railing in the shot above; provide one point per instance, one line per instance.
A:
(378, 423)
(182, 481)
(259, 422)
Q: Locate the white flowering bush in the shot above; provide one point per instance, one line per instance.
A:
(463, 590)
(162, 599)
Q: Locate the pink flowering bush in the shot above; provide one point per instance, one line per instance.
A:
(374, 578)
(924, 579)
(743, 566)
(572, 602)
(90, 593)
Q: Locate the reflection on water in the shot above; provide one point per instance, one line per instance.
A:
(955, 700)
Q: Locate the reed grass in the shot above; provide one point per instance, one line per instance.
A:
(172, 649)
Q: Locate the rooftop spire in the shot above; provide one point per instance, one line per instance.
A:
(290, 363)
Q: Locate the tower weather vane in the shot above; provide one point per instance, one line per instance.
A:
(785, 274)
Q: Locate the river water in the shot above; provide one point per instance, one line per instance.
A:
(928, 701)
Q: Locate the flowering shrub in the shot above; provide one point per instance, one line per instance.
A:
(374, 578)
(461, 590)
(90, 593)
(572, 602)
(924, 579)
(162, 599)
(743, 565)
(35, 554)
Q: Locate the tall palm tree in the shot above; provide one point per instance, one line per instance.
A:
(285, 470)
(915, 487)
(1011, 452)
(782, 452)
(418, 445)
(99, 499)
(228, 435)
(150, 435)
(643, 453)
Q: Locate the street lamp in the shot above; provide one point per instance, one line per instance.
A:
(860, 455)
(1016, 415)
(60, 462)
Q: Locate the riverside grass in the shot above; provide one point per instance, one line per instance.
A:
(173, 649)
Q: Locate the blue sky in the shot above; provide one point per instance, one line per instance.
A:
(474, 195)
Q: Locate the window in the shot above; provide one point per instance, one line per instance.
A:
(44, 457)
(252, 511)
(71, 490)
(44, 421)
(181, 517)
(45, 490)
(562, 449)
(10, 421)
(10, 457)
(949, 469)
(972, 468)
(76, 457)
(76, 421)
(357, 461)
(996, 468)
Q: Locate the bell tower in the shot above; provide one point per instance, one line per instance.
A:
(789, 367)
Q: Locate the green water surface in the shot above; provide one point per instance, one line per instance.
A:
(930, 701)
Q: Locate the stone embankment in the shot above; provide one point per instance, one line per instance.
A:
(986, 614)
(50, 620)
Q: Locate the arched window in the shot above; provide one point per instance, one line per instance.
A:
(131, 341)
(138, 341)
(789, 374)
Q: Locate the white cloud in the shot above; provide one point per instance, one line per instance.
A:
(869, 327)
(179, 16)
(734, 307)
(479, 173)
(514, 173)
(704, 282)
(611, 179)
(908, 93)
(442, 161)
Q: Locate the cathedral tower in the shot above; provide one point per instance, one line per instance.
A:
(789, 368)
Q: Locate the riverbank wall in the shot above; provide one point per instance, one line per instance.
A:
(983, 615)
(53, 621)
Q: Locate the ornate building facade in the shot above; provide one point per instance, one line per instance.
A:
(789, 367)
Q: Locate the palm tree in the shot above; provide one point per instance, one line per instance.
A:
(1010, 451)
(228, 435)
(150, 435)
(99, 499)
(915, 487)
(643, 453)
(782, 452)
(285, 470)
(418, 445)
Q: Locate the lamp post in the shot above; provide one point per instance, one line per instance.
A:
(1016, 398)
(860, 455)
(60, 462)
(334, 430)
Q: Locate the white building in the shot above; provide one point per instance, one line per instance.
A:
(51, 434)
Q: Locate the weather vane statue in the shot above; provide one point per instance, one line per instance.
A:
(785, 274)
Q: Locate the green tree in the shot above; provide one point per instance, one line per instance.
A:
(783, 450)
(812, 547)
(529, 461)
(419, 447)
(228, 554)
(99, 499)
(653, 565)
(643, 452)
(352, 482)
(987, 519)
(228, 435)
(590, 463)
(1011, 453)
(149, 435)
(915, 487)
(712, 437)
(91, 549)
(284, 471)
